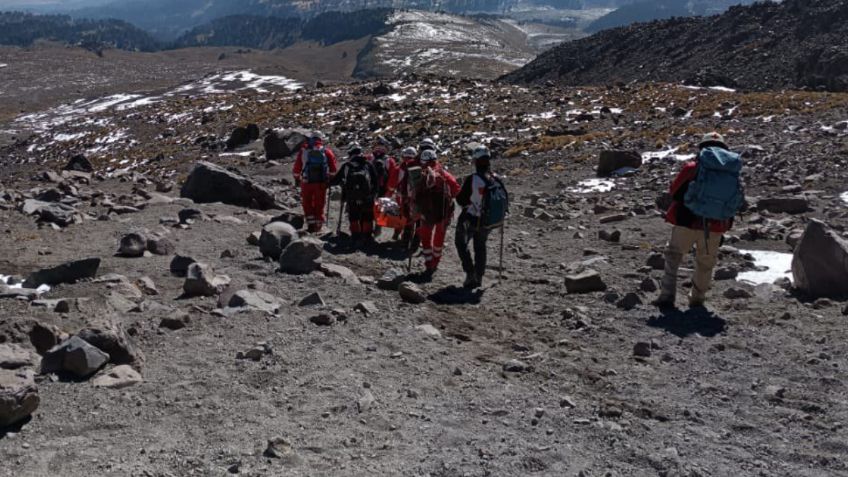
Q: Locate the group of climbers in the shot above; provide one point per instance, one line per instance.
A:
(705, 197)
(419, 190)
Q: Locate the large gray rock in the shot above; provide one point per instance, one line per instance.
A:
(69, 272)
(391, 279)
(256, 300)
(75, 356)
(109, 336)
(282, 144)
(132, 244)
(275, 237)
(210, 183)
(18, 396)
(52, 212)
(820, 262)
(784, 205)
(302, 256)
(586, 281)
(179, 265)
(610, 161)
(202, 281)
(159, 245)
(13, 356)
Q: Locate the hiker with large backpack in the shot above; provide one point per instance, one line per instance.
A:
(359, 186)
(432, 204)
(384, 166)
(706, 195)
(401, 184)
(314, 167)
(485, 202)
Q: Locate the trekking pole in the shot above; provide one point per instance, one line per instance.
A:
(329, 196)
(500, 260)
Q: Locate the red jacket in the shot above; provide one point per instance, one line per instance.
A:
(679, 214)
(332, 165)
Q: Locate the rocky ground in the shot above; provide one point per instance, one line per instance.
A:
(518, 378)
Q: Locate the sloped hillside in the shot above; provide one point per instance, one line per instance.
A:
(794, 44)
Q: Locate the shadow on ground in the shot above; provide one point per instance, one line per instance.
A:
(685, 323)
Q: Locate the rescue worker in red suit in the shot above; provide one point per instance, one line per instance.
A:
(385, 167)
(432, 235)
(399, 189)
(314, 167)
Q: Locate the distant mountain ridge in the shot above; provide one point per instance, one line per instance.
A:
(793, 44)
(649, 10)
(22, 29)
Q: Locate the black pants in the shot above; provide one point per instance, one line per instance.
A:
(467, 231)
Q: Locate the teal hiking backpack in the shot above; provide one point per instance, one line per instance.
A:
(716, 192)
(495, 203)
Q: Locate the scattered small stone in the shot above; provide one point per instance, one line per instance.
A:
(302, 256)
(656, 261)
(253, 238)
(366, 307)
(567, 401)
(613, 218)
(132, 244)
(202, 281)
(391, 279)
(585, 282)
(726, 273)
(117, 378)
(735, 293)
(365, 402)
(515, 366)
(179, 265)
(642, 349)
(146, 285)
(323, 319)
(18, 396)
(313, 299)
(614, 236)
(429, 330)
(158, 245)
(411, 293)
(629, 301)
(177, 321)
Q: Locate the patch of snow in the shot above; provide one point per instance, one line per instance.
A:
(69, 137)
(722, 89)
(240, 154)
(593, 185)
(4, 281)
(844, 197)
(545, 115)
(396, 97)
(3, 65)
(779, 266)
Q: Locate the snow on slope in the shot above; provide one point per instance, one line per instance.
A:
(450, 44)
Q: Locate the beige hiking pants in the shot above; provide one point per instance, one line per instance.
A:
(706, 256)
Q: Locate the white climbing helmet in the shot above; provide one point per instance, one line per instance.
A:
(428, 155)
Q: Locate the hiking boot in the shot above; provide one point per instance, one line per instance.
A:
(479, 281)
(427, 274)
(664, 302)
(696, 302)
(470, 281)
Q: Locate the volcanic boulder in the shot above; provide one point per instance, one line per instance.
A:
(210, 183)
(282, 144)
(65, 273)
(302, 256)
(275, 237)
(820, 263)
(610, 161)
(18, 396)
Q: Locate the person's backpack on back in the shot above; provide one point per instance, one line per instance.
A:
(382, 169)
(495, 203)
(432, 196)
(316, 167)
(716, 192)
(358, 188)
